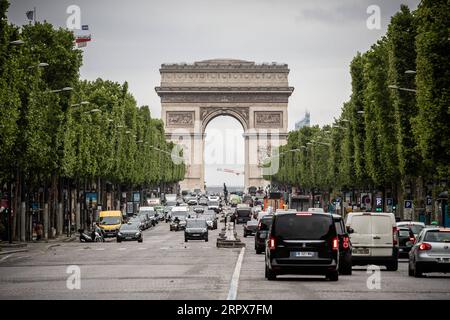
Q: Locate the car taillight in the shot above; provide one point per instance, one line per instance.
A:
(395, 235)
(412, 239)
(425, 246)
(259, 225)
(272, 243)
(336, 243)
(346, 243)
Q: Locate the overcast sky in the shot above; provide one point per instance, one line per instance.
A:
(317, 39)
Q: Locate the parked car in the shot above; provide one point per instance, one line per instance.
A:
(406, 240)
(130, 232)
(374, 238)
(137, 220)
(345, 246)
(415, 226)
(430, 253)
(302, 243)
(250, 228)
(261, 233)
(196, 229)
(151, 214)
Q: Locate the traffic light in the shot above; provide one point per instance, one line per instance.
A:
(378, 209)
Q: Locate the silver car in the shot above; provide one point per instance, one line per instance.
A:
(431, 252)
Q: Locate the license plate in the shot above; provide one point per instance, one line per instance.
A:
(360, 251)
(401, 250)
(303, 254)
(129, 238)
(262, 236)
(196, 235)
(443, 260)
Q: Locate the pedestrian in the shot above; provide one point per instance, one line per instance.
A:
(39, 231)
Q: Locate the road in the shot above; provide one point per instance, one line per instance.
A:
(165, 267)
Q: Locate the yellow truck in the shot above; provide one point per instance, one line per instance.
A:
(110, 222)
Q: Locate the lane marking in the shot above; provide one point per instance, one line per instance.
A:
(235, 279)
(142, 248)
(122, 249)
(99, 249)
(4, 258)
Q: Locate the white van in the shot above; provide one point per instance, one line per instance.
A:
(374, 238)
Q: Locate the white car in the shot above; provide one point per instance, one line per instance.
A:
(415, 226)
(315, 210)
(374, 238)
(213, 198)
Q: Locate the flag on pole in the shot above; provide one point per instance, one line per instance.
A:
(30, 15)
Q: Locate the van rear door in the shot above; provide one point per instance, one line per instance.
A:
(361, 238)
(382, 235)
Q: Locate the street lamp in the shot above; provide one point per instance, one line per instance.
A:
(61, 90)
(17, 42)
(360, 112)
(39, 65)
(80, 104)
(410, 72)
(93, 111)
(402, 89)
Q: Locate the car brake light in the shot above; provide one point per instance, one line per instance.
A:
(272, 243)
(346, 243)
(425, 246)
(336, 243)
(394, 236)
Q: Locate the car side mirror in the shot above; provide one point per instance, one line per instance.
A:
(350, 230)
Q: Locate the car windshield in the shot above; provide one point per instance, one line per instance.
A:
(243, 212)
(129, 226)
(213, 203)
(403, 233)
(109, 220)
(416, 228)
(304, 227)
(150, 213)
(195, 223)
(180, 215)
(265, 223)
(437, 236)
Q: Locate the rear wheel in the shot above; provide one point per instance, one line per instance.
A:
(270, 275)
(185, 240)
(346, 269)
(333, 276)
(392, 266)
(118, 240)
(418, 273)
(140, 240)
(410, 270)
(206, 239)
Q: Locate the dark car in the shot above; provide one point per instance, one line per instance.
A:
(214, 205)
(130, 232)
(250, 228)
(199, 209)
(203, 202)
(406, 240)
(345, 246)
(302, 243)
(261, 233)
(243, 215)
(196, 229)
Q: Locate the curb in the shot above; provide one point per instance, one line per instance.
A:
(52, 246)
(13, 251)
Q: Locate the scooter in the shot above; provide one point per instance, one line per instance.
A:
(85, 237)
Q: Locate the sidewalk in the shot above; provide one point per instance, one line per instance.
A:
(16, 244)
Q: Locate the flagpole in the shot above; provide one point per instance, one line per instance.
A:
(34, 15)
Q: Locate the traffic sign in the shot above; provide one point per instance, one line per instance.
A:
(390, 201)
(408, 204)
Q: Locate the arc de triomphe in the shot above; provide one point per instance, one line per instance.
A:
(254, 94)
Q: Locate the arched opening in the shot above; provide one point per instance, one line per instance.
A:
(224, 153)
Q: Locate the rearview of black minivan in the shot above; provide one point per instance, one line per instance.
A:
(302, 243)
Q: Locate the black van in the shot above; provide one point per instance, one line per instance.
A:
(302, 243)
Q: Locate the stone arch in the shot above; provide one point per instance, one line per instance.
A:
(208, 114)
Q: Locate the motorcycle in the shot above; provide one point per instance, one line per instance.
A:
(97, 236)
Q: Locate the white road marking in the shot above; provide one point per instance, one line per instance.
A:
(235, 279)
(4, 258)
(99, 249)
(142, 248)
(122, 249)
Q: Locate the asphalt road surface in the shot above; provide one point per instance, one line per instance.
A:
(165, 267)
